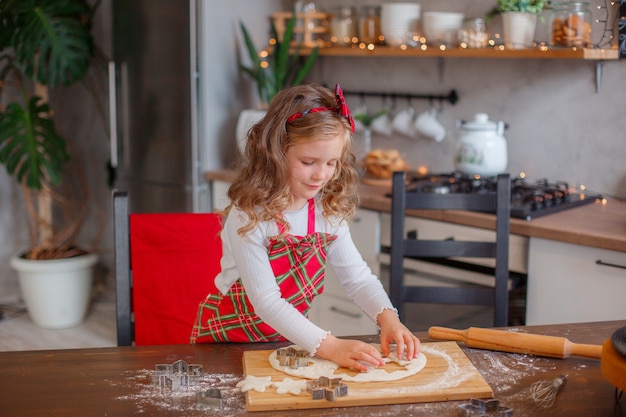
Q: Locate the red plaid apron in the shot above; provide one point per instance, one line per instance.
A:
(298, 265)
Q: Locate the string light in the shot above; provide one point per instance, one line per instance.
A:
(607, 37)
(603, 12)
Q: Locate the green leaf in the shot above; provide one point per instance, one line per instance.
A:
(53, 44)
(30, 146)
(282, 52)
(307, 67)
(256, 71)
(284, 66)
(367, 119)
(529, 6)
(7, 23)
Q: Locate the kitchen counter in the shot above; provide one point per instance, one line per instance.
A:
(600, 225)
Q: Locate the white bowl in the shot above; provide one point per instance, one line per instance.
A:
(398, 21)
(442, 27)
(396, 35)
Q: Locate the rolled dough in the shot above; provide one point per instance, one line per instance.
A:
(319, 367)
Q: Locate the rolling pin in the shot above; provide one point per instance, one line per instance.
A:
(516, 342)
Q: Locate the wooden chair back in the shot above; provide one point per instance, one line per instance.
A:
(402, 246)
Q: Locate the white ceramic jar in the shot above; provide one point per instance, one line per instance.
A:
(481, 148)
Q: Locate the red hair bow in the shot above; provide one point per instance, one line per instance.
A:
(341, 109)
(342, 106)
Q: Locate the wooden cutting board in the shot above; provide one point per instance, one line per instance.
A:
(448, 375)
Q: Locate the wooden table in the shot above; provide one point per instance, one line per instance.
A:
(116, 381)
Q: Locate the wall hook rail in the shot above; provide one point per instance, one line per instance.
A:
(452, 97)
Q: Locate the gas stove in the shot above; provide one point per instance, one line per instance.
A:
(528, 200)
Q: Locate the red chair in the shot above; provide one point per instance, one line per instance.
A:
(165, 264)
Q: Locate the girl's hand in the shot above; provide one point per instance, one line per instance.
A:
(392, 330)
(352, 354)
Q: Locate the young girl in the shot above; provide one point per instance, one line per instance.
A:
(289, 209)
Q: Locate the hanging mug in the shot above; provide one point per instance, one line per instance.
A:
(403, 122)
(427, 125)
(383, 124)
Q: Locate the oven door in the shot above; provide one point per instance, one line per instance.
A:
(457, 272)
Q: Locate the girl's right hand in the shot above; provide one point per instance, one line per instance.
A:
(352, 354)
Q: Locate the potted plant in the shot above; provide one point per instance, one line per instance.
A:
(280, 67)
(44, 44)
(519, 20)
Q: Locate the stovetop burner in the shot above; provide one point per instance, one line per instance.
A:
(528, 200)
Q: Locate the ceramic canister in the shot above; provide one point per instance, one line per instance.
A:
(482, 148)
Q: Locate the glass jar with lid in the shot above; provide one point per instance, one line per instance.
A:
(369, 25)
(343, 25)
(473, 34)
(571, 24)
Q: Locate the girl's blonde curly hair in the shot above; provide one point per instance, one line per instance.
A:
(261, 188)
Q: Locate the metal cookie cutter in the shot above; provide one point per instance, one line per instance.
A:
(211, 398)
(478, 407)
(327, 388)
(293, 358)
(176, 375)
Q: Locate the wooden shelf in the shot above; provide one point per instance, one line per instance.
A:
(435, 52)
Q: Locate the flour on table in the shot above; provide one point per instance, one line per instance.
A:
(319, 367)
(256, 383)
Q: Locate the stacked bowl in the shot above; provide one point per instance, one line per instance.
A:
(399, 21)
(442, 27)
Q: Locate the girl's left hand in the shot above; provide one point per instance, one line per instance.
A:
(392, 330)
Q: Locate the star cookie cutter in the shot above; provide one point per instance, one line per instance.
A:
(478, 407)
(293, 358)
(211, 398)
(176, 375)
(327, 388)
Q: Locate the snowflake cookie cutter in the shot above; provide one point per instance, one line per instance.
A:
(327, 388)
(176, 375)
(293, 358)
(478, 407)
(211, 398)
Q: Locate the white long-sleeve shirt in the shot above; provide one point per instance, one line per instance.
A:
(247, 258)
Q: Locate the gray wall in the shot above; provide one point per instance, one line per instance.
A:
(560, 128)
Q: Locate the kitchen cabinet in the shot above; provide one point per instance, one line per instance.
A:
(569, 283)
(469, 271)
(219, 194)
(333, 310)
(437, 230)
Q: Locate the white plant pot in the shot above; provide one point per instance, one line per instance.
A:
(56, 292)
(247, 119)
(519, 29)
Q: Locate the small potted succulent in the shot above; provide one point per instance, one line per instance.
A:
(519, 20)
(280, 67)
(45, 44)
